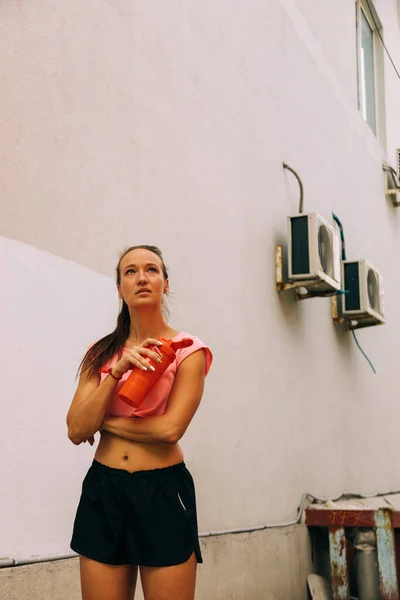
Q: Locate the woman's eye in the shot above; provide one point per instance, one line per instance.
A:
(129, 271)
(153, 269)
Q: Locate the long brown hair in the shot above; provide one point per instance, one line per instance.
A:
(112, 344)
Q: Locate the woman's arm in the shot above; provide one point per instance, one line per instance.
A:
(183, 402)
(89, 404)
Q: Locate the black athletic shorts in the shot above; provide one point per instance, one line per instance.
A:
(143, 518)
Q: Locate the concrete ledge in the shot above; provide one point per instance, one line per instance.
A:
(263, 565)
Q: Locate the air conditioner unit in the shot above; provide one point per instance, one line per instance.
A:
(314, 251)
(392, 180)
(398, 165)
(363, 297)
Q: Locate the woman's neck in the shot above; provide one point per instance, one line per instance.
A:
(147, 325)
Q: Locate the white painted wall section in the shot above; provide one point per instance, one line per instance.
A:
(51, 310)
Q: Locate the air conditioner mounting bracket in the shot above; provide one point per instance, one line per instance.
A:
(284, 286)
(349, 323)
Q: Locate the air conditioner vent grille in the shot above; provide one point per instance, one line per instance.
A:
(373, 289)
(398, 165)
(325, 249)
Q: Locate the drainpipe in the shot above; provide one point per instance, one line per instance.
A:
(366, 563)
(16, 562)
(13, 562)
(31, 560)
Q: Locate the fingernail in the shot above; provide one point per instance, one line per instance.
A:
(144, 368)
(152, 368)
(159, 343)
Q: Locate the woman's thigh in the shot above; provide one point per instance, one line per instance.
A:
(106, 582)
(167, 583)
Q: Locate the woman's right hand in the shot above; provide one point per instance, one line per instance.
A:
(138, 356)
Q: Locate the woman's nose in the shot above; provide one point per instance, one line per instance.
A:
(142, 277)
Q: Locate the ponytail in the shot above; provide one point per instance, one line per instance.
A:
(112, 344)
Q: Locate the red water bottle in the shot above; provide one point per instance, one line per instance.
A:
(139, 383)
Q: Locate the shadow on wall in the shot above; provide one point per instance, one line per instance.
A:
(51, 310)
(288, 305)
(295, 319)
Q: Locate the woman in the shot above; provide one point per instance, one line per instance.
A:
(137, 508)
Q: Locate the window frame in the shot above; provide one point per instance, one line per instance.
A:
(378, 65)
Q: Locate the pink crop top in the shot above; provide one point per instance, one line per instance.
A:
(156, 400)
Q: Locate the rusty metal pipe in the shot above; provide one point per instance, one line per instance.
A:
(366, 564)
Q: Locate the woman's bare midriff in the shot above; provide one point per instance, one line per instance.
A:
(119, 453)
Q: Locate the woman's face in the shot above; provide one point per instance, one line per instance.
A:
(142, 279)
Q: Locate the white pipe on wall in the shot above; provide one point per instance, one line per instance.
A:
(16, 562)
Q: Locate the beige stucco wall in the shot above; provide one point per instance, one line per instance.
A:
(271, 564)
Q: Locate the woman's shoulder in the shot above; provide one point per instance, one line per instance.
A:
(183, 334)
(198, 344)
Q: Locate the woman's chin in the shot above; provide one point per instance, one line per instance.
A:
(145, 301)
